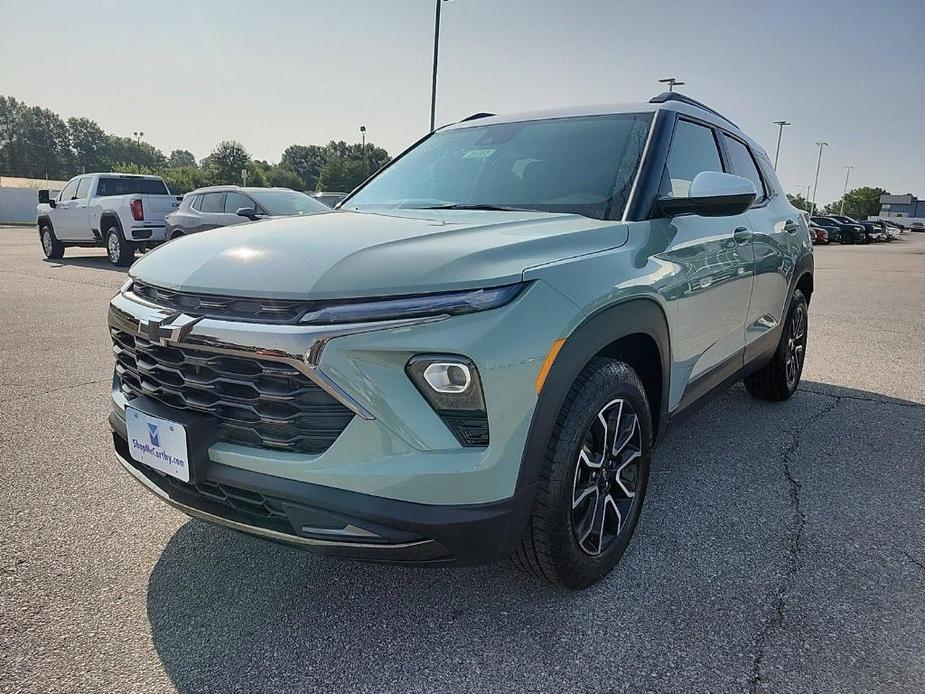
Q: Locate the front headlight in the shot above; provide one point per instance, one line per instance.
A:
(449, 303)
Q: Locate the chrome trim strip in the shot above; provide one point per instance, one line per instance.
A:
(299, 346)
(253, 529)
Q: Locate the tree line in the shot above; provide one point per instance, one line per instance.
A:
(859, 203)
(35, 142)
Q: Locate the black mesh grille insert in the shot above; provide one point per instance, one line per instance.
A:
(258, 403)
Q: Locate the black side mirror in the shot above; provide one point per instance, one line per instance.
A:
(248, 212)
(44, 197)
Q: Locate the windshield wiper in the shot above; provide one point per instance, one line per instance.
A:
(461, 206)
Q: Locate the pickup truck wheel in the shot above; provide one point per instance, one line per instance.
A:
(780, 378)
(593, 481)
(120, 251)
(51, 246)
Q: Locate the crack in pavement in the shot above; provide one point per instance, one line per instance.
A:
(879, 401)
(57, 390)
(914, 560)
(59, 279)
(795, 490)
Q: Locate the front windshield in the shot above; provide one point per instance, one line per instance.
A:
(583, 165)
(288, 202)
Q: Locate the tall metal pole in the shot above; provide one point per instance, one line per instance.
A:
(816, 183)
(780, 124)
(433, 89)
(841, 209)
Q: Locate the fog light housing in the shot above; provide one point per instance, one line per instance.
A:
(452, 387)
(448, 377)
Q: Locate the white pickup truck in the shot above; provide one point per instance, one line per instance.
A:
(122, 212)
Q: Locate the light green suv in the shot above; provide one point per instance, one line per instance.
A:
(474, 357)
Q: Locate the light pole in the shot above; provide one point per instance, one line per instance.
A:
(138, 135)
(816, 184)
(433, 86)
(672, 83)
(841, 209)
(363, 136)
(780, 124)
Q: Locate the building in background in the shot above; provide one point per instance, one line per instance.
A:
(904, 206)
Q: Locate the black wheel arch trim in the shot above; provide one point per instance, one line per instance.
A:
(633, 316)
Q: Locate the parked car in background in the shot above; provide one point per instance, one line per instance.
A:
(890, 233)
(845, 233)
(122, 212)
(819, 234)
(475, 356)
(874, 231)
(330, 199)
(894, 225)
(866, 238)
(917, 226)
(222, 206)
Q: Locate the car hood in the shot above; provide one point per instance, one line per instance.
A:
(354, 254)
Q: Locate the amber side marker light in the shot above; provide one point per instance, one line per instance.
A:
(547, 364)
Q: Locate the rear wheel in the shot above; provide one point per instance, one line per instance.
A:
(593, 481)
(119, 251)
(51, 246)
(780, 378)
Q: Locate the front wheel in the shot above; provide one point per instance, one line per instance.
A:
(119, 251)
(593, 480)
(51, 246)
(780, 378)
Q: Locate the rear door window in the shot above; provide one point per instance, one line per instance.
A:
(743, 164)
(693, 149)
(212, 202)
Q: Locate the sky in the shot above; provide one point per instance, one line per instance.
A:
(270, 73)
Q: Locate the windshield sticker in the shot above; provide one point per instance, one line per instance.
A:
(478, 153)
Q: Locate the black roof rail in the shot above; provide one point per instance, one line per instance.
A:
(476, 116)
(677, 96)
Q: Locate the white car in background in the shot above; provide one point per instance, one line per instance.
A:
(122, 212)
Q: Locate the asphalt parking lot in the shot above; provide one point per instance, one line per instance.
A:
(781, 549)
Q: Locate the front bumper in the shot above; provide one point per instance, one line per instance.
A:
(337, 522)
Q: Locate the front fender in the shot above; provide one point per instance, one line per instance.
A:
(630, 317)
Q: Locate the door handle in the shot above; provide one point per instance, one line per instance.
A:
(791, 227)
(742, 234)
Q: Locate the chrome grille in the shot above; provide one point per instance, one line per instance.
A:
(238, 308)
(258, 403)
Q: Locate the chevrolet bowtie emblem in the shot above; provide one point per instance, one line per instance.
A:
(171, 328)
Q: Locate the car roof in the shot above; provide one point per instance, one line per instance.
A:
(679, 104)
(237, 189)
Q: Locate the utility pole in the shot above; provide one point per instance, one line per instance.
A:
(672, 83)
(816, 184)
(841, 209)
(780, 124)
(433, 86)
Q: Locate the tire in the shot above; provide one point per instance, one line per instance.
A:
(177, 234)
(566, 542)
(781, 377)
(119, 251)
(51, 246)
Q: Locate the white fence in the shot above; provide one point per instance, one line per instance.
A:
(17, 205)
